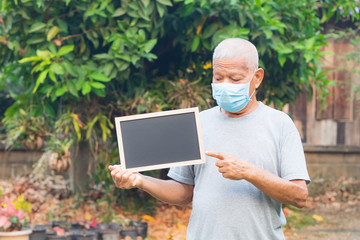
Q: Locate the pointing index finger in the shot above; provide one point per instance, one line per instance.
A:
(217, 155)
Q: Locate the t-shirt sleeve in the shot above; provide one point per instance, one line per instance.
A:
(293, 163)
(184, 174)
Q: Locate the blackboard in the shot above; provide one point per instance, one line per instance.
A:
(160, 140)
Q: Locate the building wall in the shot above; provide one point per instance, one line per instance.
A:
(337, 122)
(18, 162)
(331, 133)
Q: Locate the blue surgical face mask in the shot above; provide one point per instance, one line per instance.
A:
(232, 97)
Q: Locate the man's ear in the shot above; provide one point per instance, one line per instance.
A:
(259, 76)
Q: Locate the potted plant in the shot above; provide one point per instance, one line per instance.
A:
(134, 229)
(12, 219)
(24, 129)
(84, 230)
(129, 230)
(58, 233)
(60, 160)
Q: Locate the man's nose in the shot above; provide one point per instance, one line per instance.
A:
(227, 80)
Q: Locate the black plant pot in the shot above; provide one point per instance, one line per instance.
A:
(108, 231)
(132, 233)
(142, 229)
(82, 235)
(62, 224)
(54, 237)
(39, 232)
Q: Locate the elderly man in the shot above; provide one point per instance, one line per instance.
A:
(256, 161)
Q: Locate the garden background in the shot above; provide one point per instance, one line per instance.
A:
(68, 67)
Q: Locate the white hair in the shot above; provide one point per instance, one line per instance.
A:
(237, 47)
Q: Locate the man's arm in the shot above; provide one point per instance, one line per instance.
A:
(293, 192)
(168, 191)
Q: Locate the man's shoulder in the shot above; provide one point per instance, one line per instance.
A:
(209, 111)
(274, 112)
(277, 116)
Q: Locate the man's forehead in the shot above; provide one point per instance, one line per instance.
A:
(235, 64)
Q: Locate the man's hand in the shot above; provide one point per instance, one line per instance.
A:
(125, 179)
(232, 167)
(292, 192)
(168, 191)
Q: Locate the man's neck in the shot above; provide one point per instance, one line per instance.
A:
(252, 105)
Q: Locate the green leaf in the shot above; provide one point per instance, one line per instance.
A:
(100, 77)
(284, 50)
(65, 49)
(268, 33)
(149, 45)
(104, 130)
(35, 40)
(119, 12)
(243, 31)
(70, 69)
(37, 27)
(125, 57)
(52, 76)
(57, 69)
(103, 56)
(165, 2)
(309, 43)
(40, 79)
(13, 219)
(108, 68)
(121, 66)
(282, 60)
(195, 43)
(72, 88)
(99, 92)
(135, 59)
(86, 88)
(52, 33)
(160, 9)
(89, 127)
(97, 85)
(49, 110)
(43, 53)
(30, 59)
(210, 30)
(308, 57)
(52, 48)
(77, 128)
(80, 83)
(146, 3)
(61, 91)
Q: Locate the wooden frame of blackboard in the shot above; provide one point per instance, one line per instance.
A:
(119, 120)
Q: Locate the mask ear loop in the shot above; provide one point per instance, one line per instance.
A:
(249, 86)
(251, 95)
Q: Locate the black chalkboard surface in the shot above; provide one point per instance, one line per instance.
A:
(160, 140)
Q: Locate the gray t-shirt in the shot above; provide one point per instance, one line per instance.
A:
(235, 209)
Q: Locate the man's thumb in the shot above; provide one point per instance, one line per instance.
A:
(112, 167)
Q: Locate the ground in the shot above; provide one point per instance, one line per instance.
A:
(335, 208)
(341, 220)
(332, 211)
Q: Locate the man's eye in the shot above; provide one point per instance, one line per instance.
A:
(236, 80)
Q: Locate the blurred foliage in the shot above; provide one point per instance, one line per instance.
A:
(297, 219)
(77, 64)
